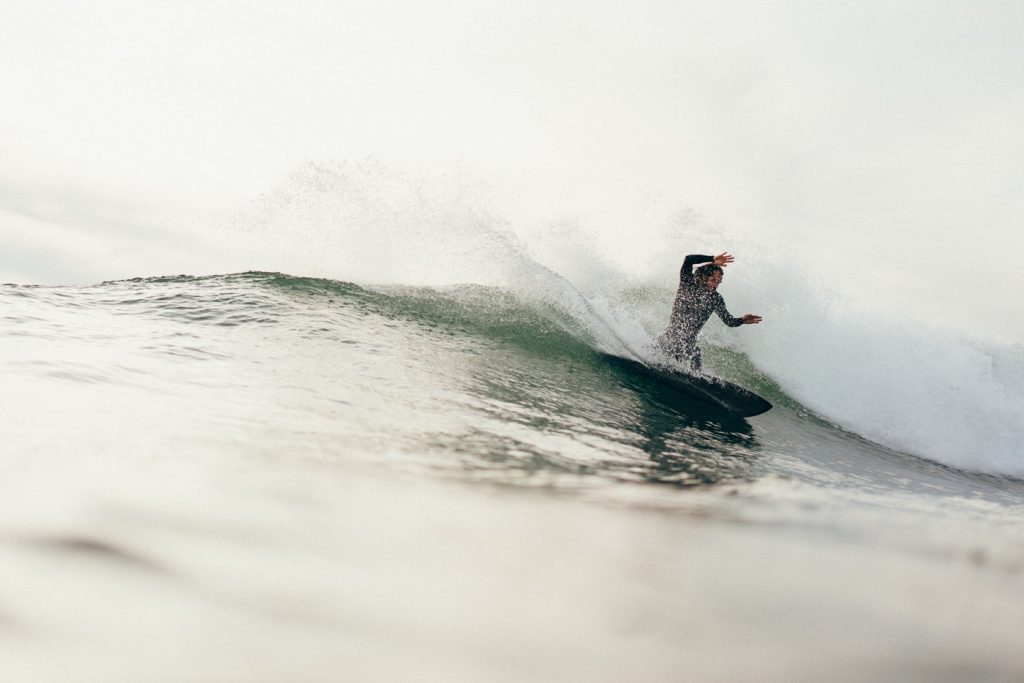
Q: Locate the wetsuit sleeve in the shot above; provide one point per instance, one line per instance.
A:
(686, 273)
(724, 314)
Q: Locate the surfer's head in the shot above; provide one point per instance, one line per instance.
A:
(709, 276)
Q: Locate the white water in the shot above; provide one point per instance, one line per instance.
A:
(863, 164)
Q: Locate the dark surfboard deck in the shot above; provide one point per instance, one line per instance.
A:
(718, 392)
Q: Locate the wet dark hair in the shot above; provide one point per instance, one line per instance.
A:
(704, 272)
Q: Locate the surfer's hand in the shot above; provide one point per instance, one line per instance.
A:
(723, 259)
(751, 319)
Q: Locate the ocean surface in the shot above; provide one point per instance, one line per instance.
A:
(269, 477)
(373, 432)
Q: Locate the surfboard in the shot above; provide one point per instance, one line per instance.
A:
(705, 388)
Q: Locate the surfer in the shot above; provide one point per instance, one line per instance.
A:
(696, 300)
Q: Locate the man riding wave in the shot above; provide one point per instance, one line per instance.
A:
(696, 299)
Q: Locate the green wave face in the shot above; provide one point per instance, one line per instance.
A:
(467, 382)
(546, 404)
(534, 400)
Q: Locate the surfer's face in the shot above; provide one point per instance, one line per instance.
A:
(713, 281)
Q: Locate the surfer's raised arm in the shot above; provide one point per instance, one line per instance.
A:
(723, 259)
(686, 273)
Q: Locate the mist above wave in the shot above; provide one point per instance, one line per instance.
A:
(865, 362)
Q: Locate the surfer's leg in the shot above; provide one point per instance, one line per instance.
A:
(671, 347)
(695, 359)
(684, 351)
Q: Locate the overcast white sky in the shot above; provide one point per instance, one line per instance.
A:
(884, 129)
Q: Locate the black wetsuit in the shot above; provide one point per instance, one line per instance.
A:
(693, 306)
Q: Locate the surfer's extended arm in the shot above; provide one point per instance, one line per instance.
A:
(722, 312)
(748, 319)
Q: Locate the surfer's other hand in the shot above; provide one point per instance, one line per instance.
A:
(723, 259)
(751, 319)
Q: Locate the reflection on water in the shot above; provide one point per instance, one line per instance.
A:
(688, 442)
(551, 422)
